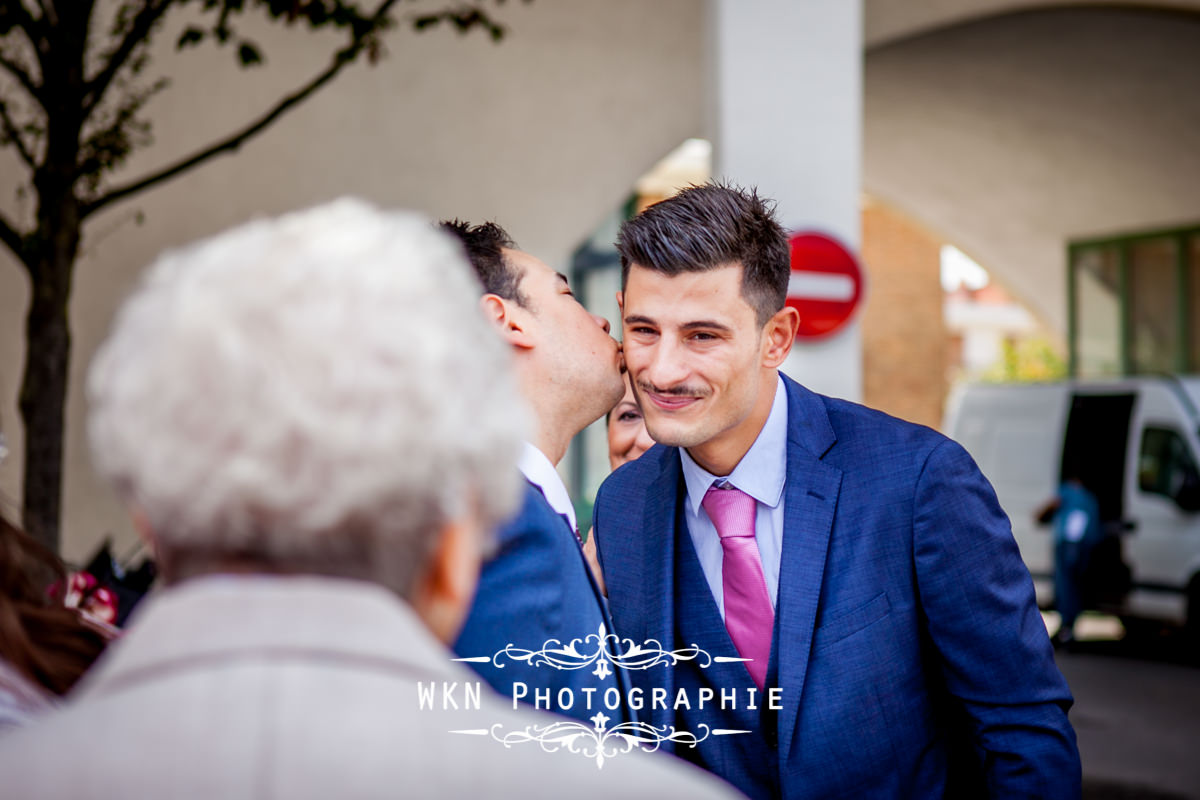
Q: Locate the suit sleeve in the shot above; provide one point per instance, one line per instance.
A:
(519, 601)
(978, 602)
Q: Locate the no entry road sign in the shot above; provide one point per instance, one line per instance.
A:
(825, 285)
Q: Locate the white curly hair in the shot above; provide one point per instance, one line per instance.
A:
(313, 393)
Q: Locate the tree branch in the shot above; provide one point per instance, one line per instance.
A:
(343, 57)
(35, 28)
(22, 77)
(47, 11)
(13, 240)
(22, 18)
(10, 131)
(138, 32)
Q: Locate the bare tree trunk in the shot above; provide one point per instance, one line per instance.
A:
(43, 405)
(47, 364)
(53, 248)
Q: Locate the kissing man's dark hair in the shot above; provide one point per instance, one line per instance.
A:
(484, 245)
(710, 226)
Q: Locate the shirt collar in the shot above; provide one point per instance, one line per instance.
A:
(538, 470)
(760, 473)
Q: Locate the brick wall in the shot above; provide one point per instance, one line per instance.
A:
(905, 341)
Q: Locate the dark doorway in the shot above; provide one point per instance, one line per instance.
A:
(1094, 450)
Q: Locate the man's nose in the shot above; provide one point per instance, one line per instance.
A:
(667, 367)
(602, 322)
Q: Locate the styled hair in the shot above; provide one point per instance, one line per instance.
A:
(485, 245)
(314, 393)
(710, 226)
(44, 640)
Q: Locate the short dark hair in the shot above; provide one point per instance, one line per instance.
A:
(709, 226)
(484, 245)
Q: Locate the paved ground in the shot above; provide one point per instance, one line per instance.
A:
(1136, 714)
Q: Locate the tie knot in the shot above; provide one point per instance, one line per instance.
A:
(731, 511)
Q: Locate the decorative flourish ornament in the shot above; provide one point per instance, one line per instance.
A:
(597, 742)
(601, 649)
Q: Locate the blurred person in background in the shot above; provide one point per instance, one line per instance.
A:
(45, 646)
(1075, 514)
(627, 434)
(314, 427)
(538, 586)
(627, 440)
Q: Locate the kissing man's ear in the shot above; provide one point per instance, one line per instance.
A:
(510, 320)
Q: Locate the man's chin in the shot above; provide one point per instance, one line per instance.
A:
(673, 436)
(607, 395)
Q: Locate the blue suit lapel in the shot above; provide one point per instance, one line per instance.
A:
(810, 499)
(602, 601)
(656, 560)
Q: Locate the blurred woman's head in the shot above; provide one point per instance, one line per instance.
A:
(627, 436)
(47, 642)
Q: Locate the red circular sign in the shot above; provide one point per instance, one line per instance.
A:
(825, 285)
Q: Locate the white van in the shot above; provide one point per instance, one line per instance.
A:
(1134, 443)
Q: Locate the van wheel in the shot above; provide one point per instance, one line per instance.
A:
(1140, 630)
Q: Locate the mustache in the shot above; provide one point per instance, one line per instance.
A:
(675, 391)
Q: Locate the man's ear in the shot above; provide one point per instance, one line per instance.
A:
(621, 302)
(443, 594)
(778, 335)
(508, 323)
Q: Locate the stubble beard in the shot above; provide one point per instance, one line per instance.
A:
(595, 398)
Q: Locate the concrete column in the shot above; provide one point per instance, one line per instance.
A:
(785, 115)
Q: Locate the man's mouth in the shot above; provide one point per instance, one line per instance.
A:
(670, 402)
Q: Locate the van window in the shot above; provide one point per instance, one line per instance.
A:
(1165, 464)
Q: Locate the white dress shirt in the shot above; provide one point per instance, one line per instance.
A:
(761, 474)
(538, 470)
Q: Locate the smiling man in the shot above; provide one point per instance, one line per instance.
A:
(859, 563)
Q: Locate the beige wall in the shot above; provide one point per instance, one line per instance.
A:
(889, 20)
(545, 132)
(1011, 136)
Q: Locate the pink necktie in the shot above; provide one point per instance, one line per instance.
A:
(748, 615)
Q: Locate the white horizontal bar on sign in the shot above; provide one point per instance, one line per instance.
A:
(821, 286)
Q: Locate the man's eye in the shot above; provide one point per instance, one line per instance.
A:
(703, 337)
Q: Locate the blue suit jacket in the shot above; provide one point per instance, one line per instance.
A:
(908, 645)
(536, 588)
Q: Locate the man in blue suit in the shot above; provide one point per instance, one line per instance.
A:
(537, 591)
(858, 562)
